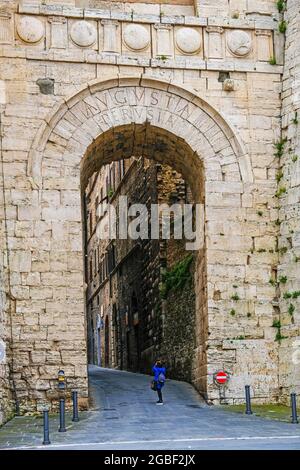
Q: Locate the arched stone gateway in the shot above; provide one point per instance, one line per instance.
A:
(61, 117)
(104, 106)
(115, 119)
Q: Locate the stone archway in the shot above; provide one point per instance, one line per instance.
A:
(114, 119)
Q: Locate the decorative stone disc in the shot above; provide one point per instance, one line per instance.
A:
(188, 40)
(30, 29)
(239, 43)
(83, 33)
(136, 37)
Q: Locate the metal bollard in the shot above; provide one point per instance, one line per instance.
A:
(294, 408)
(62, 426)
(248, 400)
(46, 440)
(75, 406)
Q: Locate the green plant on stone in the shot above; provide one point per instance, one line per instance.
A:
(294, 158)
(279, 175)
(281, 5)
(295, 119)
(235, 297)
(232, 312)
(281, 191)
(282, 26)
(272, 61)
(162, 57)
(283, 279)
(276, 324)
(287, 295)
(292, 295)
(279, 146)
(110, 192)
(277, 222)
(296, 259)
(261, 250)
(162, 290)
(260, 213)
(279, 336)
(178, 275)
(291, 309)
(282, 250)
(272, 282)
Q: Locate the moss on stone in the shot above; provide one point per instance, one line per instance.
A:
(270, 411)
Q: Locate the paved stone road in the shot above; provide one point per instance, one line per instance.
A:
(125, 416)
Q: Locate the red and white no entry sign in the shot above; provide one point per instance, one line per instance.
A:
(221, 377)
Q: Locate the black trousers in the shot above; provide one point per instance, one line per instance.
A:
(159, 393)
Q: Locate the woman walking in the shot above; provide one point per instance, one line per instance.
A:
(159, 378)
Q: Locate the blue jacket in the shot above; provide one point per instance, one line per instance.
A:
(158, 370)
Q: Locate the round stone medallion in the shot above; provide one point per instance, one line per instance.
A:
(30, 29)
(188, 40)
(136, 37)
(239, 43)
(83, 33)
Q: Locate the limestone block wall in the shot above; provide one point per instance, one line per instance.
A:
(289, 215)
(6, 402)
(56, 68)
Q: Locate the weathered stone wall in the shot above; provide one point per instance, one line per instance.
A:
(6, 403)
(288, 275)
(220, 61)
(179, 340)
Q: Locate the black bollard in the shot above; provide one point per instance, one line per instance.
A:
(294, 408)
(75, 406)
(46, 440)
(62, 426)
(248, 400)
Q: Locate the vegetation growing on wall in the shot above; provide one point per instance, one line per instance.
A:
(179, 323)
(176, 277)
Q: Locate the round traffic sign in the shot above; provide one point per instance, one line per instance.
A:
(221, 377)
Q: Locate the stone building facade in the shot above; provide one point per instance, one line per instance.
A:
(211, 89)
(132, 318)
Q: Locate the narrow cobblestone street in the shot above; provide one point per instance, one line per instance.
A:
(124, 416)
